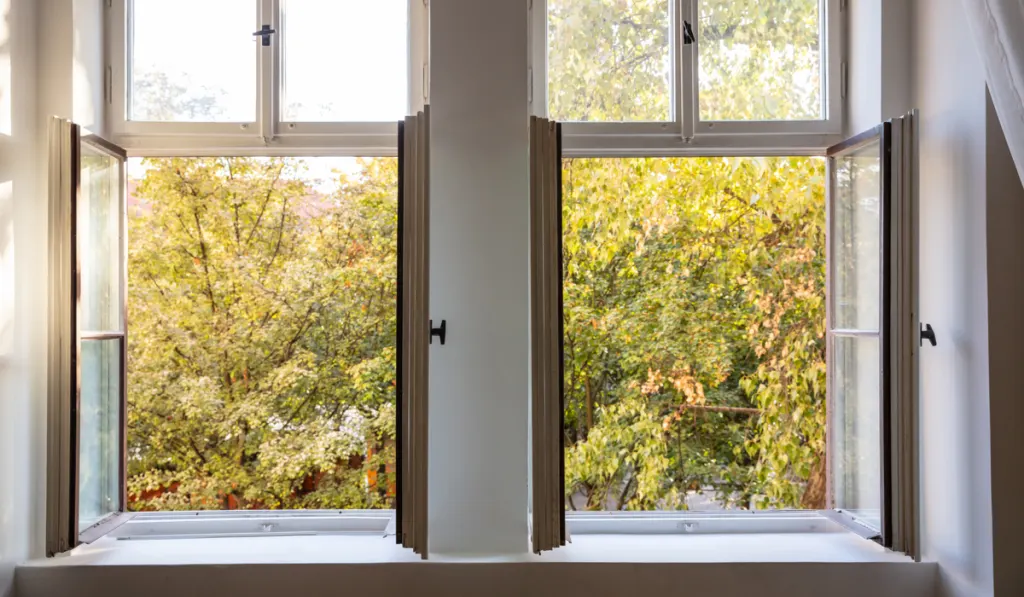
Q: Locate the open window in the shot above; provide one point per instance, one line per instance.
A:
(737, 337)
(275, 82)
(872, 332)
(88, 340)
(268, 369)
(677, 74)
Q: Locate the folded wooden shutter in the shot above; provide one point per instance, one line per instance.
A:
(546, 412)
(413, 330)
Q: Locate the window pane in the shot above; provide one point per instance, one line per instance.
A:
(608, 60)
(99, 237)
(856, 240)
(370, 80)
(193, 61)
(856, 427)
(760, 59)
(99, 471)
(694, 351)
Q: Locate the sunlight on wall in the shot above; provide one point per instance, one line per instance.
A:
(6, 269)
(5, 69)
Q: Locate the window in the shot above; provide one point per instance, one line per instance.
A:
(737, 334)
(185, 85)
(289, 74)
(261, 371)
(694, 310)
(88, 337)
(262, 355)
(313, 29)
(644, 75)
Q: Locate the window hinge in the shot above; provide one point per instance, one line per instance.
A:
(529, 85)
(842, 5)
(529, 4)
(110, 3)
(108, 84)
(844, 82)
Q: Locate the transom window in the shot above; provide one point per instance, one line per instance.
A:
(686, 69)
(265, 73)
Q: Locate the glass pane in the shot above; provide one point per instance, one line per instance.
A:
(99, 431)
(856, 440)
(192, 61)
(370, 82)
(99, 237)
(760, 59)
(856, 239)
(608, 60)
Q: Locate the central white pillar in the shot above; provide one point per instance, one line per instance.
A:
(479, 260)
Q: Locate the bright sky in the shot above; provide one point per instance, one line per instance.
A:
(322, 171)
(343, 59)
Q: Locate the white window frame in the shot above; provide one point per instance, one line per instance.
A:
(268, 134)
(686, 134)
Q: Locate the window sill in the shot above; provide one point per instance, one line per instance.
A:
(724, 565)
(834, 547)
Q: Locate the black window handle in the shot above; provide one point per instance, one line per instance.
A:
(688, 36)
(265, 32)
(927, 333)
(441, 332)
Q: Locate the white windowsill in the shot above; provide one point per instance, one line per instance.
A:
(831, 547)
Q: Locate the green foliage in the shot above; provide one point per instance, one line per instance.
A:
(693, 286)
(262, 352)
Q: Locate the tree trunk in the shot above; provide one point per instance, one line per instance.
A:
(814, 494)
(590, 409)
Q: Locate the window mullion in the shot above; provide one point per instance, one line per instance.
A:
(686, 70)
(268, 64)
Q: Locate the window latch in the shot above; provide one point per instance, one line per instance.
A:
(688, 36)
(927, 333)
(441, 332)
(265, 32)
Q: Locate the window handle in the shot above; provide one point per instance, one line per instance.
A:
(927, 333)
(265, 32)
(688, 36)
(441, 332)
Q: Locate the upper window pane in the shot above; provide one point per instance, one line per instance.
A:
(99, 238)
(370, 81)
(760, 59)
(192, 61)
(856, 244)
(608, 60)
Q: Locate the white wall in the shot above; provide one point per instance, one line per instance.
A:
(479, 256)
(949, 88)
(22, 260)
(879, 53)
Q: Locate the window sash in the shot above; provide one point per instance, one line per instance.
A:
(64, 433)
(686, 134)
(268, 134)
(896, 331)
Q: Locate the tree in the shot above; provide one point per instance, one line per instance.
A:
(694, 288)
(262, 355)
